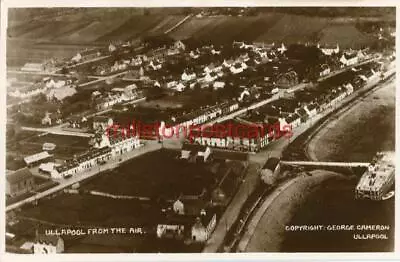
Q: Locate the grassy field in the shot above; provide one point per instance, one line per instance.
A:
(273, 27)
(66, 146)
(157, 174)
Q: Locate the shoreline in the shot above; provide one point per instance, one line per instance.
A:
(278, 210)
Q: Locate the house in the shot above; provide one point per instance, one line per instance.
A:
(155, 65)
(171, 84)
(349, 88)
(324, 70)
(45, 244)
(228, 63)
(194, 153)
(282, 49)
(36, 159)
(48, 146)
(311, 109)
(203, 227)
(349, 59)
(270, 171)
(83, 162)
(236, 68)
(102, 122)
(288, 79)
(111, 48)
(19, 182)
(210, 77)
(293, 120)
(215, 52)
(179, 44)
(180, 87)
(50, 169)
(218, 85)
(329, 50)
(171, 229)
(186, 44)
(212, 68)
(178, 207)
(188, 76)
(77, 122)
(194, 54)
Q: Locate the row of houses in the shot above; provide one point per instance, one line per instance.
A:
(104, 148)
(197, 117)
(256, 130)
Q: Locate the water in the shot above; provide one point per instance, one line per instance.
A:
(368, 129)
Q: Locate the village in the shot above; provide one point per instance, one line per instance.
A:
(62, 163)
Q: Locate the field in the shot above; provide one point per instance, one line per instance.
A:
(66, 146)
(157, 174)
(273, 27)
(96, 26)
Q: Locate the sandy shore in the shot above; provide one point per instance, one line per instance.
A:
(279, 209)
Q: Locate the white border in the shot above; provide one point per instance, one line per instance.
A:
(5, 4)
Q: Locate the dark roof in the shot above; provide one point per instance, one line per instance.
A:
(351, 55)
(312, 106)
(271, 163)
(19, 175)
(302, 112)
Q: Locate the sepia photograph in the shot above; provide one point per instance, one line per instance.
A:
(195, 129)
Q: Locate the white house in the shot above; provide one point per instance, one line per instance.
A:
(203, 227)
(155, 65)
(282, 49)
(194, 54)
(187, 76)
(327, 50)
(180, 87)
(349, 59)
(212, 68)
(111, 48)
(218, 85)
(210, 77)
(228, 63)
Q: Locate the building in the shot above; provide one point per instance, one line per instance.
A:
(81, 163)
(194, 153)
(324, 70)
(48, 244)
(36, 159)
(188, 75)
(19, 182)
(270, 171)
(349, 59)
(102, 122)
(48, 146)
(329, 50)
(288, 79)
(203, 227)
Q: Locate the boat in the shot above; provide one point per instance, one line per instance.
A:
(378, 179)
